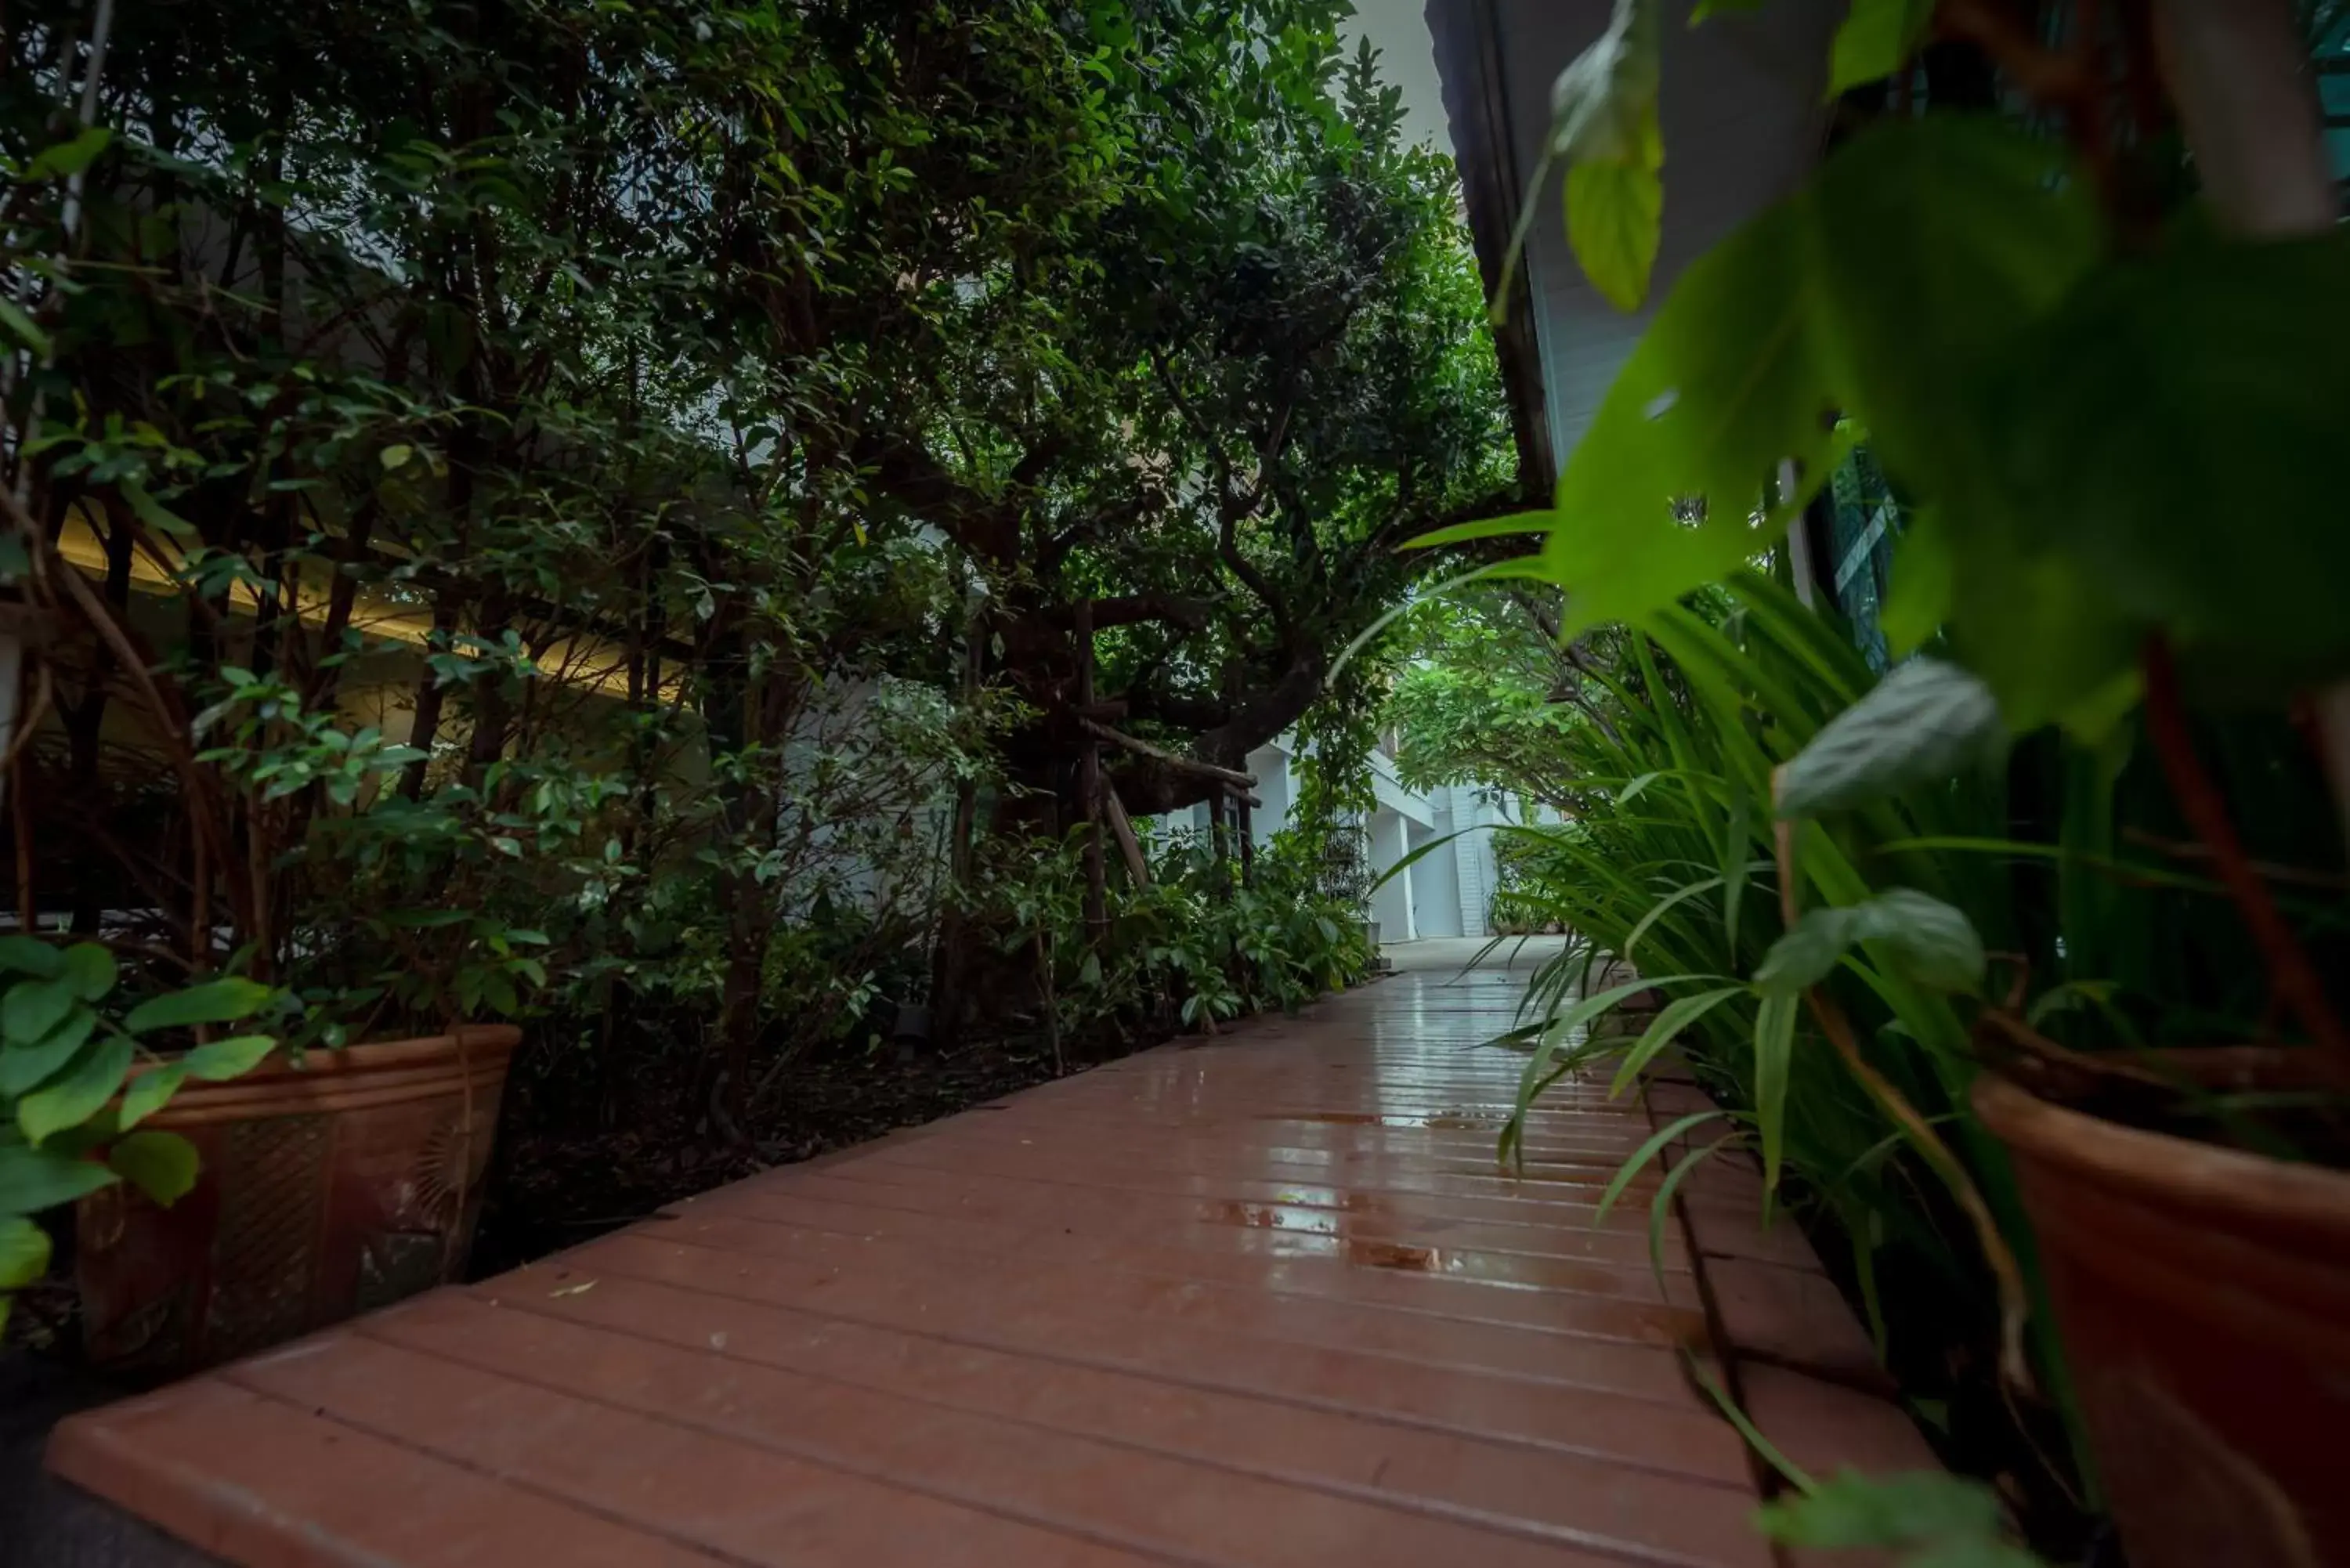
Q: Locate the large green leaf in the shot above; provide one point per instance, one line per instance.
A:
(1774, 1050)
(1939, 245)
(31, 1180)
(1924, 940)
(1672, 1020)
(149, 1092)
(1874, 41)
(1922, 723)
(25, 1066)
(1602, 106)
(1911, 1509)
(24, 1257)
(2175, 428)
(221, 1001)
(29, 955)
(78, 1094)
(24, 1252)
(71, 157)
(1891, 289)
(1614, 220)
(89, 969)
(34, 1007)
(160, 1164)
(218, 1060)
(1667, 489)
(2043, 633)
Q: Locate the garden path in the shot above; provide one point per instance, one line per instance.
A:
(1258, 1300)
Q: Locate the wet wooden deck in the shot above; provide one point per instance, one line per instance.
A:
(1262, 1301)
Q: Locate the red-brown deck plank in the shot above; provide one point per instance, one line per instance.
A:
(1262, 1301)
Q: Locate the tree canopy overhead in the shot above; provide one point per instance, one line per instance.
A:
(1219, 397)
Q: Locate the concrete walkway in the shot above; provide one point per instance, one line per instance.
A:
(1262, 1300)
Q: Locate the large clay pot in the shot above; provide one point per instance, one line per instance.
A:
(326, 1189)
(2203, 1296)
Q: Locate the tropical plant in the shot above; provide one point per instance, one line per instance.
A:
(472, 546)
(2069, 360)
(85, 1057)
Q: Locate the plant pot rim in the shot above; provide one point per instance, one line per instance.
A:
(2206, 1177)
(490, 1039)
(469, 1058)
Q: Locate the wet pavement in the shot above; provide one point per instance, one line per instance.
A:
(1260, 1299)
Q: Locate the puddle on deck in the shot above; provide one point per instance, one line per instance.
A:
(1443, 1121)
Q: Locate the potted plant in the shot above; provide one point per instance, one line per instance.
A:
(2116, 412)
(82, 1089)
(228, 1193)
(271, 830)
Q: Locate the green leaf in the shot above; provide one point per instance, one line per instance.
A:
(427, 920)
(2174, 429)
(219, 1060)
(31, 1180)
(1672, 1020)
(24, 1252)
(1941, 246)
(1483, 528)
(149, 1092)
(89, 969)
(1924, 722)
(1851, 1510)
(1805, 953)
(1664, 907)
(1666, 491)
(26, 330)
(221, 1001)
(24, 1258)
(1774, 1050)
(161, 1165)
(1877, 39)
(395, 456)
(1641, 1157)
(34, 1007)
(1922, 938)
(2044, 634)
(1927, 941)
(1553, 1032)
(1920, 596)
(30, 955)
(155, 515)
(69, 157)
(1736, 868)
(1893, 289)
(78, 1094)
(1660, 1207)
(1615, 218)
(1602, 106)
(27, 1066)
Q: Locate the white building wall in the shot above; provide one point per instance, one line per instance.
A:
(1444, 894)
(1439, 907)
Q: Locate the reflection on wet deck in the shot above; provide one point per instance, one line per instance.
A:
(1265, 1300)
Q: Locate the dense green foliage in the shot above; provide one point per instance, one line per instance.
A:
(576, 512)
(2105, 403)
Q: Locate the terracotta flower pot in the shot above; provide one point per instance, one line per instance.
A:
(326, 1189)
(2203, 1295)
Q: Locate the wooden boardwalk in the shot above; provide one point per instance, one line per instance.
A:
(1265, 1300)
